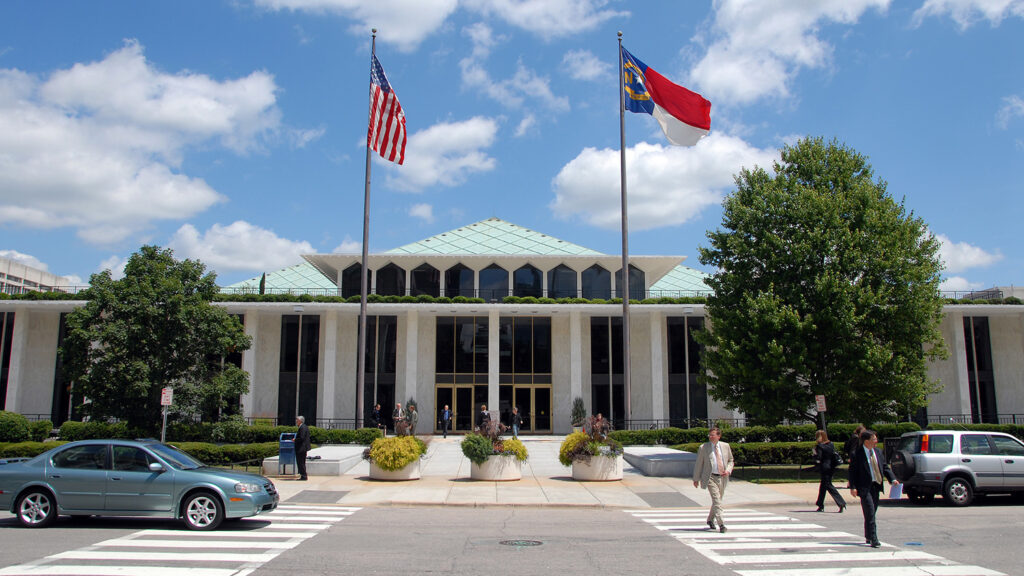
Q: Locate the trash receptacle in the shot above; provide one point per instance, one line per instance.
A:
(286, 453)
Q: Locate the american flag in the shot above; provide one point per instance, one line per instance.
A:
(387, 121)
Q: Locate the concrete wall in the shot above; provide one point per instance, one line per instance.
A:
(1007, 334)
(266, 366)
(33, 362)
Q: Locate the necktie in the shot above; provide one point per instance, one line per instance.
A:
(718, 457)
(876, 472)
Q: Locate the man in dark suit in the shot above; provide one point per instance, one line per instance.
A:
(301, 446)
(446, 420)
(868, 469)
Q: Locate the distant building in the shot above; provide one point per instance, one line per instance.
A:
(536, 354)
(18, 278)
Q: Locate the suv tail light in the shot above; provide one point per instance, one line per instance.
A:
(924, 444)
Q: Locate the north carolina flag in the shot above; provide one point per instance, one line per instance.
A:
(685, 116)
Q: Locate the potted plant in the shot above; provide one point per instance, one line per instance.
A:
(491, 457)
(591, 453)
(579, 413)
(395, 458)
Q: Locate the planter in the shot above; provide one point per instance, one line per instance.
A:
(497, 468)
(599, 469)
(410, 472)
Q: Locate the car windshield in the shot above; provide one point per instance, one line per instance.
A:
(176, 457)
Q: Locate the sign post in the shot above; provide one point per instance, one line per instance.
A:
(819, 400)
(166, 398)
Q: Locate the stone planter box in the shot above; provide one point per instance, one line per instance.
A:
(599, 469)
(410, 472)
(497, 468)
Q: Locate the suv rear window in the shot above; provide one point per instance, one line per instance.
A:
(940, 443)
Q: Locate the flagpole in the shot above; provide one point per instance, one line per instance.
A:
(364, 265)
(625, 242)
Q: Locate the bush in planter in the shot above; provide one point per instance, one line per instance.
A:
(477, 448)
(395, 452)
(579, 412)
(580, 446)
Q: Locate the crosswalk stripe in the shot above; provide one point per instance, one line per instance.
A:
(141, 543)
(296, 518)
(764, 543)
(297, 512)
(727, 520)
(280, 524)
(707, 535)
(229, 534)
(325, 507)
(58, 570)
(164, 556)
(775, 526)
(817, 557)
(930, 570)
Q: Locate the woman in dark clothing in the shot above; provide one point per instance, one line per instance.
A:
(852, 443)
(825, 455)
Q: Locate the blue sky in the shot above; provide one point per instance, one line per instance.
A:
(232, 130)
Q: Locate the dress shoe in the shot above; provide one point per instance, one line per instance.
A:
(841, 508)
(875, 543)
(820, 509)
(722, 528)
(711, 524)
(303, 478)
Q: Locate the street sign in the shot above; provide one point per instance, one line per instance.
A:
(820, 401)
(166, 396)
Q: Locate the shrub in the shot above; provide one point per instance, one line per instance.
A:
(72, 431)
(40, 430)
(582, 447)
(396, 452)
(26, 449)
(14, 427)
(579, 411)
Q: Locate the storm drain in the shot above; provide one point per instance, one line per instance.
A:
(520, 543)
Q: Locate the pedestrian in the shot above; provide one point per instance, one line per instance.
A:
(301, 446)
(852, 443)
(446, 420)
(378, 419)
(712, 469)
(398, 416)
(868, 469)
(827, 460)
(516, 420)
(414, 417)
(483, 419)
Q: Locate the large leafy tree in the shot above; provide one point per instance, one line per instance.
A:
(153, 328)
(825, 285)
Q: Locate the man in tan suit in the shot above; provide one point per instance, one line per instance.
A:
(711, 471)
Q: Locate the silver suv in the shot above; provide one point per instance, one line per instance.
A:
(958, 464)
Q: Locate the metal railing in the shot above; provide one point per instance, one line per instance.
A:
(976, 419)
(323, 423)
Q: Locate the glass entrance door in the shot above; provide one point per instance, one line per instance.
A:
(534, 403)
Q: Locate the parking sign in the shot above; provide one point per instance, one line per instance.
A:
(166, 396)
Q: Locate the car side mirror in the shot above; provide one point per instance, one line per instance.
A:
(156, 467)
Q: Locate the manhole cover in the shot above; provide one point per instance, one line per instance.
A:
(520, 542)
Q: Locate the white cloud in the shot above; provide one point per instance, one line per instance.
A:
(966, 12)
(96, 147)
(26, 259)
(424, 212)
(299, 138)
(1013, 107)
(238, 246)
(759, 45)
(667, 185)
(961, 256)
(116, 266)
(511, 92)
(445, 154)
(959, 284)
(528, 122)
(348, 246)
(548, 18)
(402, 23)
(584, 65)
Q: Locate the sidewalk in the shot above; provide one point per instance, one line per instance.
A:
(545, 482)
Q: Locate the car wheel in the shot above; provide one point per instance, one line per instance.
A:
(36, 509)
(958, 491)
(203, 511)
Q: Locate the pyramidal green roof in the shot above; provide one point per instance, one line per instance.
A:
(298, 277)
(493, 236)
(681, 279)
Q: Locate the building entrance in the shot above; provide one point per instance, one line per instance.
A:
(534, 403)
(464, 400)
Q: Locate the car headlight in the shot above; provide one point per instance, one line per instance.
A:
(245, 487)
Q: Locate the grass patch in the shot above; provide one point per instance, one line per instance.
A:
(784, 473)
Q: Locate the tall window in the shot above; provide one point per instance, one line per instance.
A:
(6, 335)
(60, 407)
(687, 398)
(493, 283)
(350, 278)
(391, 280)
(525, 350)
(597, 283)
(461, 349)
(562, 282)
(300, 356)
(381, 365)
(637, 289)
(528, 281)
(426, 280)
(607, 387)
(980, 376)
(458, 281)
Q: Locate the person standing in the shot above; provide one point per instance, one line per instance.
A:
(711, 471)
(378, 419)
(868, 469)
(826, 456)
(414, 417)
(446, 420)
(483, 419)
(516, 420)
(301, 446)
(398, 416)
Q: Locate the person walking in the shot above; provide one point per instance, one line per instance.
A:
(516, 420)
(711, 471)
(446, 420)
(301, 446)
(852, 443)
(414, 418)
(828, 460)
(868, 469)
(483, 419)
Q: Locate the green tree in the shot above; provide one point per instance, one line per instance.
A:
(825, 285)
(152, 329)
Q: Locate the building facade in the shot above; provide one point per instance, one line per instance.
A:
(536, 354)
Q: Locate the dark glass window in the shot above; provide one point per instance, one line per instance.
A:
(6, 336)
(426, 280)
(87, 457)
(458, 281)
(980, 375)
(597, 283)
(493, 283)
(562, 282)
(444, 355)
(300, 358)
(380, 368)
(528, 281)
(461, 345)
(607, 384)
(391, 281)
(61, 403)
(350, 278)
(525, 349)
(687, 398)
(637, 289)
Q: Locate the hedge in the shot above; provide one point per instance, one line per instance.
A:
(838, 433)
(205, 452)
(1013, 429)
(14, 427)
(230, 432)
